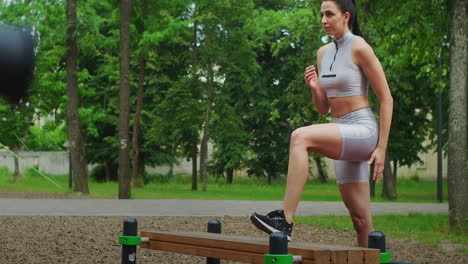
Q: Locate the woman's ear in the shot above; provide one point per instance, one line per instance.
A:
(347, 16)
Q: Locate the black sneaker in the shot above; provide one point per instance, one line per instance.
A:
(274, 221)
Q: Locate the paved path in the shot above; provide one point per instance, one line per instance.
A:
(101, 207)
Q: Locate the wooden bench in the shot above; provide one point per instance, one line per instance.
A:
(252, 250)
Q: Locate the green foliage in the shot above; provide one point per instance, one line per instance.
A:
(14, 123)
(257, 50)
(409, 50)
(5, 173)
(50, 137)
(98, 173)
(32, 173)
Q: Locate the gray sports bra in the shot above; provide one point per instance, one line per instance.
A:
(339, 75)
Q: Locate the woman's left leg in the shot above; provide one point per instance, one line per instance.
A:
(356, 197)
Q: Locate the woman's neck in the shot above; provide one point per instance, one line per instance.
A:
(340, 35)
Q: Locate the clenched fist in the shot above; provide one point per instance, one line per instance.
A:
(311, 77)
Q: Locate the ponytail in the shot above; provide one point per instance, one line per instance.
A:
(355, 24)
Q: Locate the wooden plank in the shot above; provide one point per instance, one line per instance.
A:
(193, 250)
(340, 253)
(339, 257)
(253, 248)
(317, 254)
(372, 256)
(355, 257)
(248, 244)
(320, 253)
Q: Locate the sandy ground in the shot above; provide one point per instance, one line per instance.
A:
(92, 239)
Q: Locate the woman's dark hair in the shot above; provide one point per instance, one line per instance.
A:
(350, 7)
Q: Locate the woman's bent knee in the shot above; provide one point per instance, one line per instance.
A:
(298, 137)
(361, 223)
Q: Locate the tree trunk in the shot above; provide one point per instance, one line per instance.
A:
(136, 174)
(457, 142)
(395, 168)
(137, 180)
(141, 170)
(79, 164)
(389, 182)
(204, 153)
(206, 129)
(321, 173)
(124, 117)
(229, 175)
(112, 169)
(194, 167)
(17, 172)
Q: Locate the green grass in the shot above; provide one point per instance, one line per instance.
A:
(243, 188)
(428, 229)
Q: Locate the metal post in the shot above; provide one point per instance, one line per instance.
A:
(377, 241)
(130, 228)
(278, 249)
(214, 226)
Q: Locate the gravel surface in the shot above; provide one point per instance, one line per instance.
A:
(92, 239)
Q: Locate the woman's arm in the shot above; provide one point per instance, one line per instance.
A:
(318, 94)
(365, 58)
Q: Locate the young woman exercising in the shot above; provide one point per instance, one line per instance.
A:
(346, 67)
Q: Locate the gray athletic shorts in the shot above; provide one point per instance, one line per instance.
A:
(359, 138)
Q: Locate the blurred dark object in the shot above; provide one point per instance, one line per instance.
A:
(16, 63)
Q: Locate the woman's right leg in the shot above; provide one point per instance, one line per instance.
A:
(324, 139)
(356, 197)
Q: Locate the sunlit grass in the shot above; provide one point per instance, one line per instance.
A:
(429, 229)
(244, 188)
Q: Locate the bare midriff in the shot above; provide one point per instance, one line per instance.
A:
(341, 106)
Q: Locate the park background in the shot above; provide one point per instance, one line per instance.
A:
(125, 86)
(224, 73)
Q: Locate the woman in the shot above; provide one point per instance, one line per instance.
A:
(353, 140)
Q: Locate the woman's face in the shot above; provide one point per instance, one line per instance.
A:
(333, 20)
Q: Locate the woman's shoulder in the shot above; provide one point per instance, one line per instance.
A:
(320, 53)
(323, 49)
(361, 51)
(360, 45)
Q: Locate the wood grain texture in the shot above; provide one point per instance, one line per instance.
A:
(252, 249)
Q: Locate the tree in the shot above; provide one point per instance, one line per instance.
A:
(49, 137)
(208, 21)
(280, 101)
(78, 160)
(98, 45)
(136, 160)
(212, 31)
(172, 117)
(408, 52)
(124, 117)
(457, 145)
(14, 122)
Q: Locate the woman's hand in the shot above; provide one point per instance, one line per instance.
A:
(311, 78)
(378, 156)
